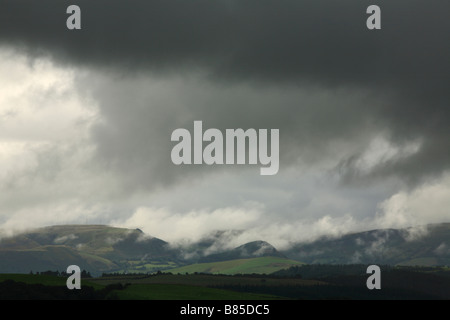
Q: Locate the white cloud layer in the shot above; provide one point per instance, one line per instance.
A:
(429, 203)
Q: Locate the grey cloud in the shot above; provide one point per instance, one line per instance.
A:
(276, 41)
(138, 116)
(395, 79)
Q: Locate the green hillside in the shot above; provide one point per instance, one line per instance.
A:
(105, 249)
(105, 241)
(262, 265)
(45, 258)
(96, 248)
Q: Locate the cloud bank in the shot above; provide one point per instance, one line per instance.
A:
(86, 116)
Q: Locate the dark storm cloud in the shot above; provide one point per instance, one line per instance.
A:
(401, 72)
(325, 41)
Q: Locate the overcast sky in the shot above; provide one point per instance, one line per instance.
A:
(86, 115)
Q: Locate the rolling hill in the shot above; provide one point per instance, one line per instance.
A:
(426, 245)
(261, 265)
(99, 248)
(96, 248)
(247, 250)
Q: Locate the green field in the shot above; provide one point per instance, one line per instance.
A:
(158, 287)
(262, 265)
(184, 292)
(204, 280)
(45, 280)
(138, 266)
(301, 282)
(34, 279)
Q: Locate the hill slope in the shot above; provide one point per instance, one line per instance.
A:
(247, 250)
(99, 248)
(240, 266)
(427, 246)
(92, 247)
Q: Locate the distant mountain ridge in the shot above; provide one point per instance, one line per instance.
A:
(92, 247)
(100, 248)
(424, 245)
